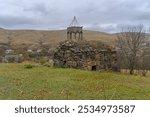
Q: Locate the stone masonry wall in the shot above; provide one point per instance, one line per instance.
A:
(85, 56)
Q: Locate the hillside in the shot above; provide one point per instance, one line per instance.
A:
(1, 28)
(18, 82)
(32, 37)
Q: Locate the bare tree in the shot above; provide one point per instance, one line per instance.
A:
(130, 44)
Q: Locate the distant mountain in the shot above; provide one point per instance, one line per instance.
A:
(1, 28)
(31, 38)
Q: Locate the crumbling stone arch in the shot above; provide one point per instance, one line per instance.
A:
(74, 33)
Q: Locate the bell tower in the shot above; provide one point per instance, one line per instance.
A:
(74, 31)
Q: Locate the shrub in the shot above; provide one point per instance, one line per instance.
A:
(29, 66)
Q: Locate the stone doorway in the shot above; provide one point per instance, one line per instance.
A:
(93, 68)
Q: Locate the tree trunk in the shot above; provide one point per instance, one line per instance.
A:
(131, 71)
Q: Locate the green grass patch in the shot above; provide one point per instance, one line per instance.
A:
(29, 66)
(18, 82)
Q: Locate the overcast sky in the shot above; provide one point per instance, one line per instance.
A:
(100, 15)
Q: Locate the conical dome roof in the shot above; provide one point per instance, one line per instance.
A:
(74, 22)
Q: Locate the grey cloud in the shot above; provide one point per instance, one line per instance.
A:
(98, 15)
(38, 8)
(111, 28)
(15, 20)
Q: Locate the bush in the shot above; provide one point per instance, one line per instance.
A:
(29, 66)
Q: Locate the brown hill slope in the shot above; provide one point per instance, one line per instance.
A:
(32, 37)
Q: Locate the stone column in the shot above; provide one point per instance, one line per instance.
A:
(71, 35)
(75, 35)
(68, 35)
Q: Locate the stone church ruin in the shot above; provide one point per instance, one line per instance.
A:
(78, 53)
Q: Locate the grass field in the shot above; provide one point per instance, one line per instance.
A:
(18, 82)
